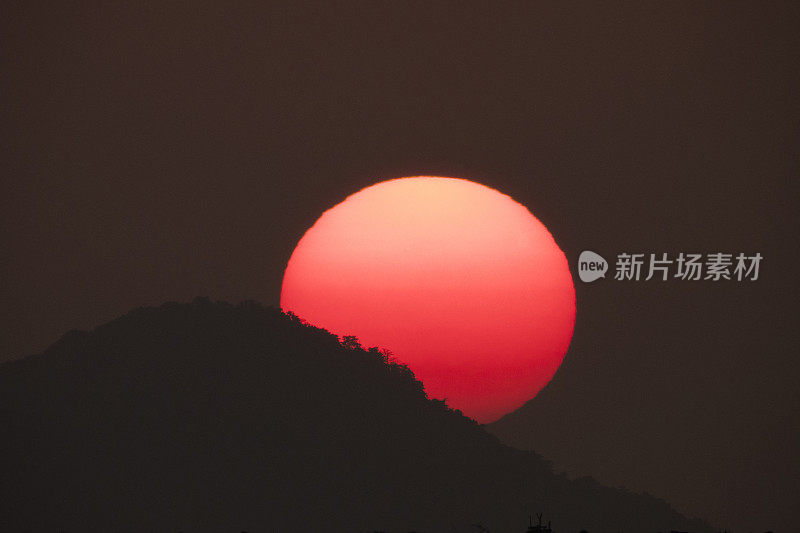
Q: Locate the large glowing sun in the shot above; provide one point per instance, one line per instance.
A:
(459, 281)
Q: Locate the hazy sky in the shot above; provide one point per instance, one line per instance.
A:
(155, 153)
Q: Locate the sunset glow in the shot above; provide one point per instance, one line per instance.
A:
(459, 281)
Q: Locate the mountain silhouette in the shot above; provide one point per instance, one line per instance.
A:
(213, 417)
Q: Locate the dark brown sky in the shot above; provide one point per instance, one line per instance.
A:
(156, 153)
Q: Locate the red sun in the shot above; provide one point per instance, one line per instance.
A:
(463, 284)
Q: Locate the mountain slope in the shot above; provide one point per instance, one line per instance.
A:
(206, 416)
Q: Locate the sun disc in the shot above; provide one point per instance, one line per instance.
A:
(462, 283)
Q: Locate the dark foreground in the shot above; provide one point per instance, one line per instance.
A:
(212, 417)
